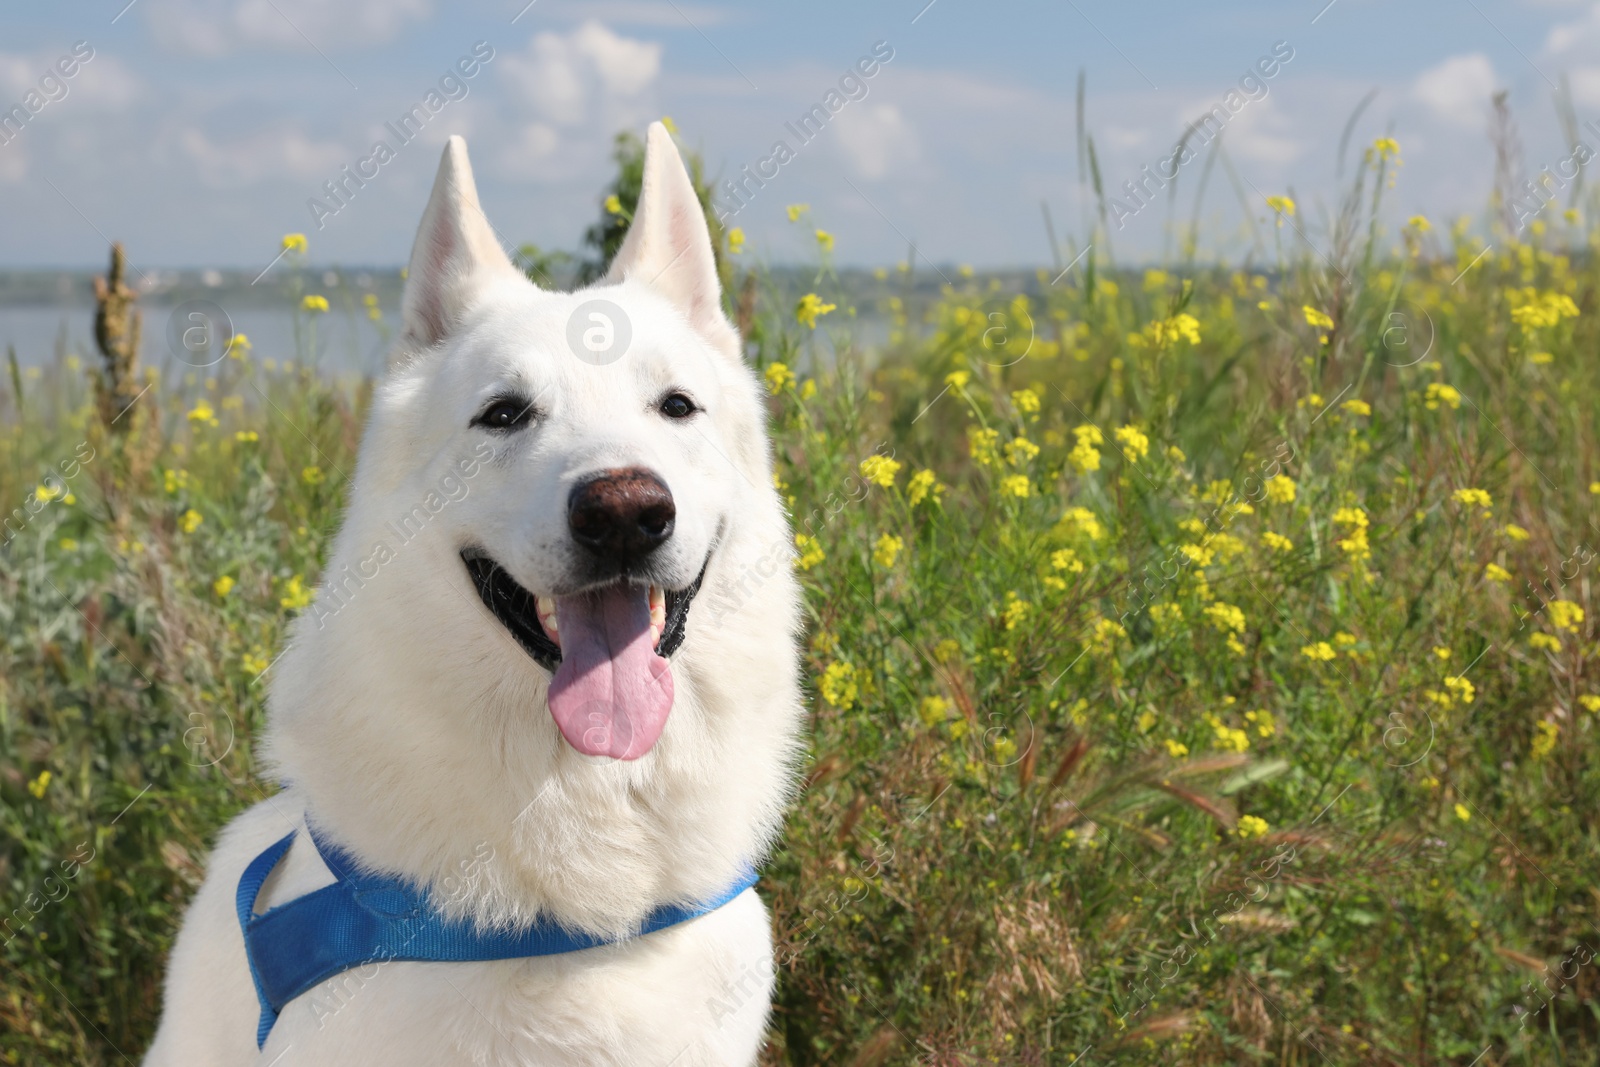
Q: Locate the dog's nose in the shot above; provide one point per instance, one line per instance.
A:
(622, 515)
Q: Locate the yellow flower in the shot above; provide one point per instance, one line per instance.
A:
(68, 544)
(1462, 812)
(1026, 401)
(1544, 739)
(810, 551)
(312, 475)
(1277, 542)
(825, 240)
(1357, 407)
(1590, 701)
(203, 412)
(796, 210)
(238, 345)
(957, 379)
(251, 663)
(1016, 611)
(885, 550)
(839, 686)
(1225, 617)
(1545, 642)
(1515, 532)
(1319, 652)
(1176, 749)
(1065, 559)
(1251, 826)
(1533, 310)
(1438, 393)
(880, 470)
(923, 484)
(1135, 444)
(294, 242)
(613, 204)
(190, 521)
(246, 436)
(1266, 726)
(1565, 615)
(934, 710)
(981, 446)
(1084, 457)
(672, 127)
(46, 493)
(779, 377)
(1280, 489)
(1386, 147)
(39, 785)
(1316, 318)
(1419, 223)
(1471, 497)
(809, 308)
(314, 302)
(1015, 485)
(222, 586)
(295, 594)
(1281, 206)
(1082, 520)
(1496, 573)
(736, 240)
(1021, 452)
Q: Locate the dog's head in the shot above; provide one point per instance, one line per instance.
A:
(592, 447)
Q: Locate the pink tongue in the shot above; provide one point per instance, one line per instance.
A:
(611, 693)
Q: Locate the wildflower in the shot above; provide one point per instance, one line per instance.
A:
(68, 544)
(1470, 497)
(1065, 559)
(1161, 332)
(1386, 147)
(1016, 485)
(779, 377)
(1316, 318)
(1197, 554)
(1225, 617)
(294, 242)
(1176, 749)
(1083, 521)
(190, 521)
(613, 204)
(1106, 632)
(222, 586)
(1441, 651)
(1590, 702)
(1357, 407)
(934, 710)
(1318, 652)
(1439, 393)
(1540, 359)
(312, 475)
(1462, 813)
(1280, 489)
(809, 308)
(1175, 454)
(1565, 615)
(1544, 642)
(1084, 457)
(1544, 739)
(1266, 726)
(796, 210)
(1419, 223)
(825, 240)
(957, 379)
(736, 240)
(203, 413)
(238, 345)
(245, 437)
(1155, 281)
(981, 446)
(295, 594)
(1135, 445)
(1496, 573)
(672, 127)
(810, 553)
(922, 485)
(1344, 640)
(1016, 611)
(1021, 452)
(839, 685)
(880, 470)
(39, 785)
(885, 549)
(1162, 614)
(1026, 401)
(1515, 532)
(1251, 826)
(1281, 207)
(1534, 310)
(314, 302)
(1277, 542)
(1230, 738)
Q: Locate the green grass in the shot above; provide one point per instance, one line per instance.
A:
(1094, 762)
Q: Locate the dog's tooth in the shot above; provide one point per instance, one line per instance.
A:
(658, 610)
(546, 607)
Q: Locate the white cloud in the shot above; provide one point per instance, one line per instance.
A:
(1458, 89)
(204, 27)
(1579, 39)
(658, 13)
(284, 152)
(876, 138)
(1260, 134)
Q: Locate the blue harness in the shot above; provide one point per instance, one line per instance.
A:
(372, 918)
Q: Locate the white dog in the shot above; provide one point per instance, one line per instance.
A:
(508, 694)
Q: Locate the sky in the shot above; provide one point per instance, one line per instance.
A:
(201, 131)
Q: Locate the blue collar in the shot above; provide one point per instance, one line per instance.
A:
(372, 918)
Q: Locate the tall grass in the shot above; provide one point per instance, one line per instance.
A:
(1200, 659)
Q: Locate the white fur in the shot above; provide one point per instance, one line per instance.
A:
(410, 726)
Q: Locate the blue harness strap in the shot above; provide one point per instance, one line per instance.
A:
(365, 918)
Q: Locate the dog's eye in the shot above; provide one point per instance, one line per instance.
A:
(505, 413)
(678, 406)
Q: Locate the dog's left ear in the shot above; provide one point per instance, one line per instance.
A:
(456, 251)
(668, 247)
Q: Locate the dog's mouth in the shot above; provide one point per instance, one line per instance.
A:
(606, 649)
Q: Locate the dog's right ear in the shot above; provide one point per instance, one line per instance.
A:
(456, 251)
